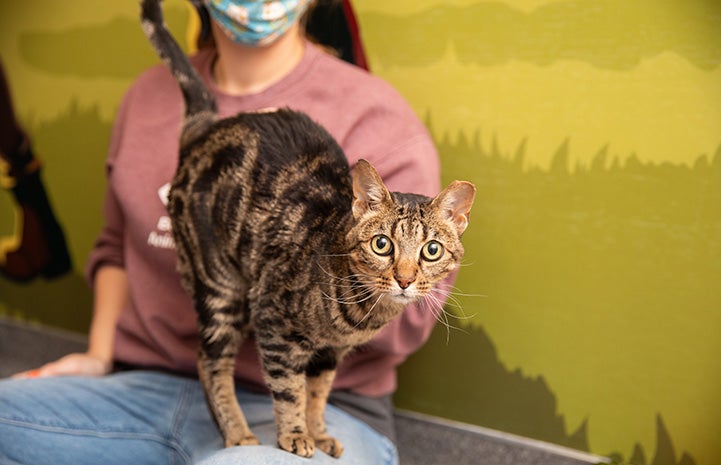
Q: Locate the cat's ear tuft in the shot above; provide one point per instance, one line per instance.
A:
(369, 192)
(455, 202)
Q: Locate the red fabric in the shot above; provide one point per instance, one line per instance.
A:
(358, 50)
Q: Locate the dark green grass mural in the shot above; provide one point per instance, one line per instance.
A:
(567, 242)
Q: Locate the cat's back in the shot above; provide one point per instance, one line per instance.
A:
(272, 140)
(289, 156)
(276, 174)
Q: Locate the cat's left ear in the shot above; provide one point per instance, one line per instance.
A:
(369, 192)
(455, 202)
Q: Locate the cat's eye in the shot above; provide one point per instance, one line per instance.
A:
(432, 251)
(382, 245)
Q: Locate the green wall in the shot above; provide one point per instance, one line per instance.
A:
(589, 306)
(68, 66)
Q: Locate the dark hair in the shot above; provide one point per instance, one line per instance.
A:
(205, 37)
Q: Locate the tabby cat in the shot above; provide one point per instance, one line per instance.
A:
(276, 240)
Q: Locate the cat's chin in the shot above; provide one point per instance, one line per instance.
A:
(403, 297)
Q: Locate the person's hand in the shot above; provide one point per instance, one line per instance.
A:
(78, 364)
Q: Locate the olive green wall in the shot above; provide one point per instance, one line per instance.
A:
(593, 132)
(589, 307)
(68, 66)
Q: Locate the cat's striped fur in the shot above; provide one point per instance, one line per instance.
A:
(275, 239)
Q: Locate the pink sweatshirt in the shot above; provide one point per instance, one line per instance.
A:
(368, 118)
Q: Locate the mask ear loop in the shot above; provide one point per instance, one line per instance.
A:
(205, 34)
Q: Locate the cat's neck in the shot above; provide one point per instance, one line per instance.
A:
(243, 70)
(365, 311)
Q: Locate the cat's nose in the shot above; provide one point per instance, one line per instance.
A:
(404, 282)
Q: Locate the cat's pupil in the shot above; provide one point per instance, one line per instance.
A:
(432, 251)
(382, 245)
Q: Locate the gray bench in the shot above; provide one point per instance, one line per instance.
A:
(422, 439)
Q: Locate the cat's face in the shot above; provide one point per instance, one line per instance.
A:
(403, 244)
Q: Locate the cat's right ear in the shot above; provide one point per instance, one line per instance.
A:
(455, 202)
(369, 192)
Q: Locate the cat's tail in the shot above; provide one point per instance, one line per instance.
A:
(200, 107)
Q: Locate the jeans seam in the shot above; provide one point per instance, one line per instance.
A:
(88, 432)
(179, 417)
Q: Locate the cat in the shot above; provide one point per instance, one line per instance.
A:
(277, 240)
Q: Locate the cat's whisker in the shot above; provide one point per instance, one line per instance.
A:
(452, 301)
(439, 316)
(458, 312)
(354, 294)
(341, 285)
(353, 278)
(435, 306)
(369, 311)
(350, 294)
(350, 300)
(449, 296)
(348, 291)
(363, 292)
(328, 272)
(457, 292)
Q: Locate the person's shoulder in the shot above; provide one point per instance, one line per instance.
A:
(325, 60)
(352, 82)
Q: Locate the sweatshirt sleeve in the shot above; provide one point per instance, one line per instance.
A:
(108, 248)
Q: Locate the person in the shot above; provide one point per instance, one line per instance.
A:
(133, 397)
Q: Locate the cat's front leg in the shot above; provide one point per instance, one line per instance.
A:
(287, 387)
(319, 387)
(216, 376)
(320, 374)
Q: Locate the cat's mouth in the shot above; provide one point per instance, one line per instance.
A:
(404, 296)
(400, 294)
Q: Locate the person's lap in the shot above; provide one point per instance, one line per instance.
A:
(147, 417)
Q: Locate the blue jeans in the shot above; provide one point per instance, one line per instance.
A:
(143, 417)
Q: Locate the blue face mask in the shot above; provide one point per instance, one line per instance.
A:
(258, 22)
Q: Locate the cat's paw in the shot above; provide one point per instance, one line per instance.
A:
(330, 446)
(297, 443)
(242, 440)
